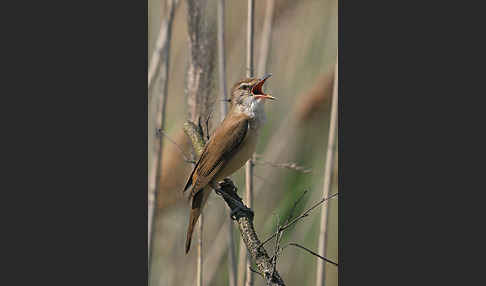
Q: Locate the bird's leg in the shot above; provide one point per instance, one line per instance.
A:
(227, 190)
(241, 211)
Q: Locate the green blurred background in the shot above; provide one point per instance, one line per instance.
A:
(302, 57)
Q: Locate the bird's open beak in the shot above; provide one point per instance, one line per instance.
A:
(258, 91)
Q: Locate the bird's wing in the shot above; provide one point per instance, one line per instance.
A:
(225, 141)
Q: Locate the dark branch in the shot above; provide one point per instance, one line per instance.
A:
(311, 252)
(253, 270)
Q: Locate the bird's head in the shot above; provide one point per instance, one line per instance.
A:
(248, 93)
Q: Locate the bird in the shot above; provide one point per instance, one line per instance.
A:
(231, 145)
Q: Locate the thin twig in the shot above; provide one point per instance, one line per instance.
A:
(184, 155)
(327, 180)
(304, 214)
(311, 252)
(280, 231)
(291, 213)
(277, 248)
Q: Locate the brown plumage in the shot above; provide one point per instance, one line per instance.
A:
(228, 149)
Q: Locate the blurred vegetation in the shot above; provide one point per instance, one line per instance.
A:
(302, 56)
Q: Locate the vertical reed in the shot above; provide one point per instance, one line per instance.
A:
(327, 181)
(162, 52)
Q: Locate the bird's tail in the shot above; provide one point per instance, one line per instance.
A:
(196, 208)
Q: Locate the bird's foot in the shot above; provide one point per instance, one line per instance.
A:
(241, 211)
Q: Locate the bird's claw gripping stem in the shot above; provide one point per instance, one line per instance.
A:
(241, 211)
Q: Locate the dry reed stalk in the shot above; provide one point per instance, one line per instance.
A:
(266, 38)
(222, 60)
(158, 52)
(200, 252)
(154, 178)
(244, 272)
(224, 111)
(217, 251)
(327, 181)
(199, 81)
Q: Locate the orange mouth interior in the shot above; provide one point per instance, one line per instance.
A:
(257, 89)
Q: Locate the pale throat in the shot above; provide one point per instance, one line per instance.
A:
(255, 110)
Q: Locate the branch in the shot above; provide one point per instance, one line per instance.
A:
(304, 214)
(311, 252)
(240, 213)
(280, 231)
(254, 271)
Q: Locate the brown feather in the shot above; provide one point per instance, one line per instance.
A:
(228, 149)
(224, 143)
(195, 212)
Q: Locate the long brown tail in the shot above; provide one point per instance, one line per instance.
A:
(197, 204)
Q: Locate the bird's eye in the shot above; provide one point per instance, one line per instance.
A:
(245, 86)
